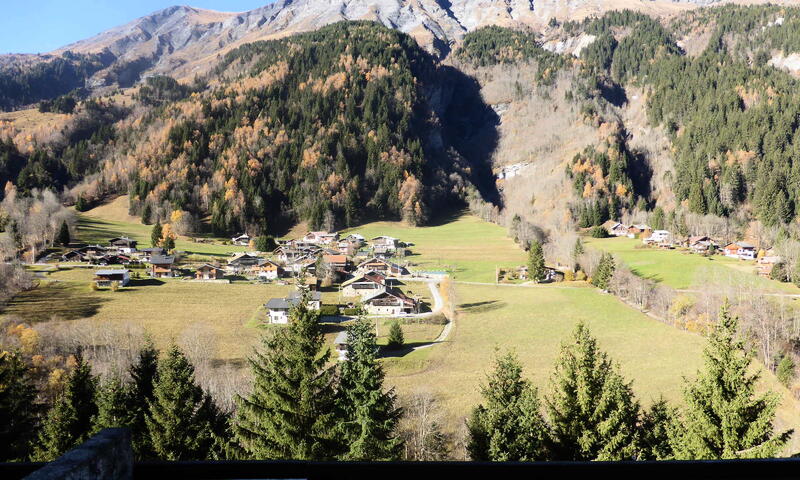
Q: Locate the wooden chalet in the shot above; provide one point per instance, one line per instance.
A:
(162, 266)
(106, 278)
(364, 285)
(390, 302)
(209, 272)
(242, 240)
(123, 244)
(382, 266)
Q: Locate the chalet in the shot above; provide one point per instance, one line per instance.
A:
(162, 266)
(340, 344)
(146, 254)
(105, 278)
(123, 244)
(616, 229)
(307, 263)
(364, 285)
(382, 266)
(243, 240)
(111, 260)
(243, 261)
(658, 237)
(320, 238)
(700, 243)
(267, 270)
(209, 272)
(278, 308)
(740, 250)
(390, 302)
(356, 238)
(74, 256)
(641, 230)
(91, 251)
(384, 244)
(767, 263)
(292, 252)
(337, 262)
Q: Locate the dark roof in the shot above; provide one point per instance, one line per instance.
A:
(110, 272)
(315, 296)
(162, 259)
(278, 304)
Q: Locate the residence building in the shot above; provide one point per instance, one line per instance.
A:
(106, 278)
(209, 272)
(162, 266)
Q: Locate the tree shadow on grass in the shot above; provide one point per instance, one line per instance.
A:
(386, 352)
(57, 300)
(145, 282)
(481, 307)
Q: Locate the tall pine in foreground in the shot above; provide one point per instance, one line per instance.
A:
(144, 374)
(289, 414)
(112, 408)
(723, 417)
(69, 421)
(182, 419)
(508, 425)
(368, 414)
(592, 411)
(536, 267)
(17, 408)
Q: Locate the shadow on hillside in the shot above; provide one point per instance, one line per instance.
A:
(92, 230)
(146, 282)
(55, 300)
(481, 307)
(386, 352)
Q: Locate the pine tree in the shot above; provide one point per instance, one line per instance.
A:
(509, 425)
(17, 408)
(112, 407)
(592, 411)
(169, 244)
(147, 212)
(144, 374)
(605, 271)
(69, 421)
(536, 269)
(577, 249)
(63, 234)
(396, 339)
(290, 414)
(723, 417)
(654, 432)
(155, 234)
(182, 419)
(368, 414)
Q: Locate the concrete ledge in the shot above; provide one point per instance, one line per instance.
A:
(107, 455)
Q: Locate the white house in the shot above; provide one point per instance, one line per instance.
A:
(658, 237)
(278, 309)
(364, 285)
(243, 239)
(390, 302)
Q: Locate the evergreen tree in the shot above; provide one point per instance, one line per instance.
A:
(63, 234)
(509, 425)
(654, 432)
(69, 421)
(182, 419)
(396, 339)
(81, 204)
(723, 417)
(17, 408)
(592, 411)
(169, 244)
(147, 213)
(265, 243)
(536, 269)
(605, 272)
(290, 412)
(155, 234)
(785, 370)
(369, 415)
(144, 374)
(112, 407)
(577, 249)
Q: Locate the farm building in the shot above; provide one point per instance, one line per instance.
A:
(390, 302)
(616, 229)
(740, 250)
(146, 254)
(243, 261)
(105, 278)
(123, 244)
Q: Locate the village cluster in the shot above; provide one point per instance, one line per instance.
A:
(701, 244)
(364, 270)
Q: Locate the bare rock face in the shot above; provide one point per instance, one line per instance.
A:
(183, 41)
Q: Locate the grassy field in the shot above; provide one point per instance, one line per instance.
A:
(110, 220)
(533, 321)
(467, 247)
(681, 269)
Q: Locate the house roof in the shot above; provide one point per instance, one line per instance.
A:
(335, 258)
(118, 271)
(152, 250)
(208, 266)
(745, 245)
(341, 338)
(314, 296)
(278, 304)
(369, 276)
(162, 259)
(394, 292)
(122, 239)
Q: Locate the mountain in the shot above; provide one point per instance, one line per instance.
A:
(184, 41)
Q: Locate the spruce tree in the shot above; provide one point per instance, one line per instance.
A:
(536, 269)
(592, 411)
(396, 339)
(112, 407)
(508, 426)
(368, 415)
(604, 272)
(17, 408)
(155, 234)
(169, 244)
(144, 374)
(290, 412)
(181, 419)
(69, 421)
(654, 432)
(723, 417)
(63, 234)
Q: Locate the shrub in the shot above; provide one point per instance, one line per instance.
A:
(779, 272)
(114, 286)
(349, 311)
(580, 275)
(329, 310)
(396, 339)
(569, 276)
(94, 286)
(598, 232)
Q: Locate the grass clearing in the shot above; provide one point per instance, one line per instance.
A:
(467, 247)
(533, 321)
(681, 269)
